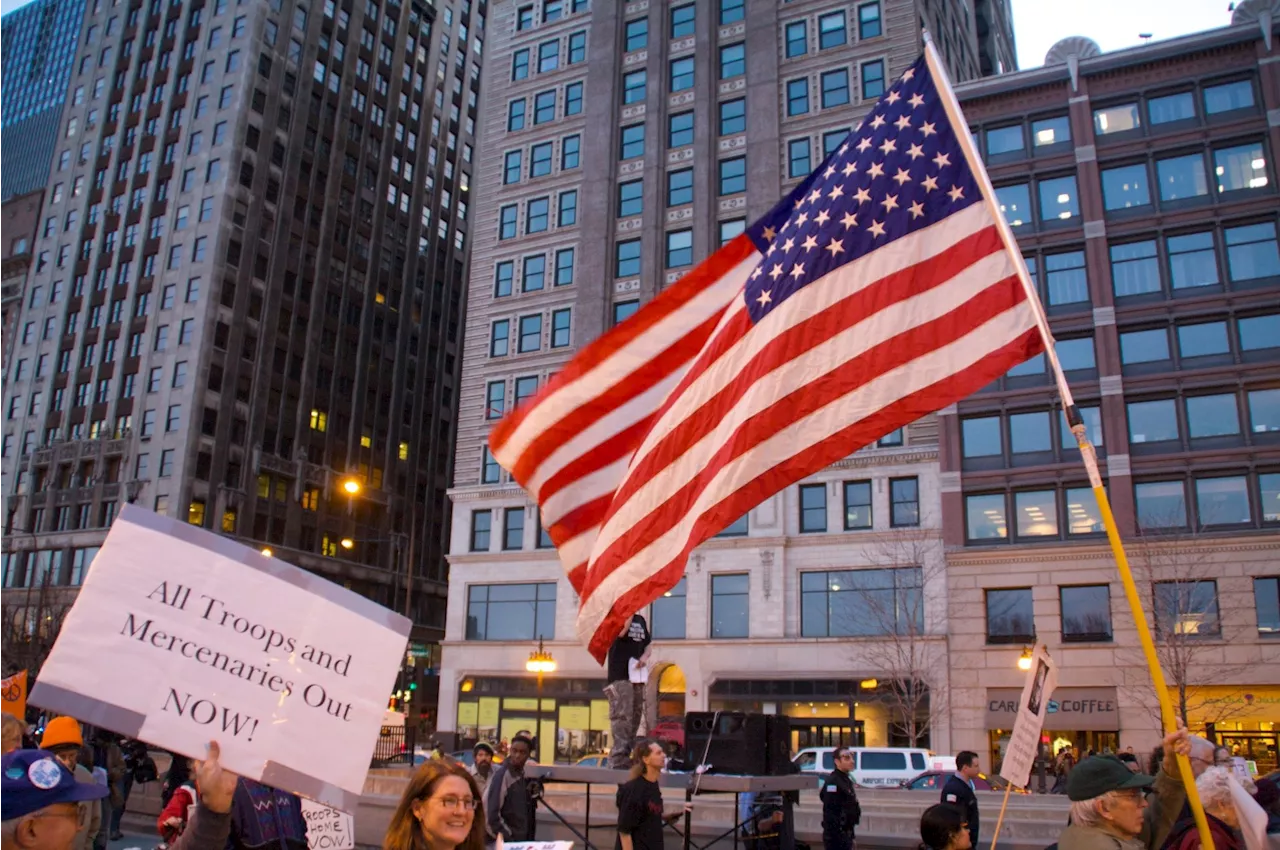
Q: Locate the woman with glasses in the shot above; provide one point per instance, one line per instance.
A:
(440, 810)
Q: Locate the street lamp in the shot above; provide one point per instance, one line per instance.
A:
(348, 543)
(540, 661)
(351, 486)
(266, 550)
(1024, 660)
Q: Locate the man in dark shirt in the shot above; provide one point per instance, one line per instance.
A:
(639, 800)
(508, 807)
(626, 699)
(958, 791)
(840, 809)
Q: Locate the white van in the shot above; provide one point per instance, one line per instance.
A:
(873, 767)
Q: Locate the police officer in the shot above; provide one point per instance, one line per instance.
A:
(958, 791)
(840, 809)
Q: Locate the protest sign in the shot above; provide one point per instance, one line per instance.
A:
(180, 636)
(328, 829)
(1033, 705)
(15, 695)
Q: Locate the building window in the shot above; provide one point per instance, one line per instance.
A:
(732, 11)
(525, 389)
(1126, 187)
(481, 525)
(572, 99)
(570, 149)
(560, 320)
(680, 130)
(667, 618)
(1266, 604)
(1065, 279)
(507, 222)
(623, 310)
(1135, 270)
(733, 61)
(544, 107)
(503, 278)
(628, 258)
(564, 267)
(680, 187)
(682, 21)
(1086, 612)
(637, 34)
(733, 175)
(869, 25)
(633, 86)
(511, 168)
(513, 529)
(1228, 97)
(1059, 200)
(499, 338)
(730, 606)
(537, 215)
(732, 228)
(1212, 416)
(1005, 140)
(733, 117)
(681, 74)
(831, 30)
(857, 505)
(577, 47)
(985, 518)
(515, 115)
(1171, 108)
(1161, 504)
(740, 527)
(1138, 348)
(1116, 119)
(872, 79)
(495, 399)
(862, 603)
(567, 213)
(1187, 608)
(530, 333)
(511, 612)
(813, 508)
(797, 33)
(1252, 252)
(1037, 513)
(1010, 616)
(679, 248)
(1223, 501)
(632, 142)
(630, 198)
(835, 88)
(520, 65)
(904, 498)
(798, 164)
(534, 273)
(1264, 410)
(1181, 178)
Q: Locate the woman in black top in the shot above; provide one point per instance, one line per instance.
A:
(640, 819)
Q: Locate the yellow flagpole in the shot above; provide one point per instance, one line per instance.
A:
(1087, 453)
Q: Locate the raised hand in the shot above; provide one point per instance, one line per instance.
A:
(217, 786)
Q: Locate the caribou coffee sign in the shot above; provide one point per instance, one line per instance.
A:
(1071, 709)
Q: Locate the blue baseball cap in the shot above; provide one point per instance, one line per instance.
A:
(33, 779)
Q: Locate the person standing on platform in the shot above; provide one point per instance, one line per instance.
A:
(640, 818)
(626, 698)
(958, 791)
(840, 809)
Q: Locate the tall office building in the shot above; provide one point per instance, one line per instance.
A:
(997, 52)
(1141, 186)
(628, 141)
(248, 287)
(39, 52)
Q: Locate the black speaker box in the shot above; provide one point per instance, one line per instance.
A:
(738, 743)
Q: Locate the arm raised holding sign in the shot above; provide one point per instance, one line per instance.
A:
(210, 822)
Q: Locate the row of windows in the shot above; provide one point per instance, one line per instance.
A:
(1220, 501)
(1161, 425)
(552, 10)
(904, 502)
(679, 249)
(523, 389)
(529, 333)
(831, 30)
(537, 218)
(544, 107)
(548, 56)
(1052, 134)
(833, 88)
(1197, 344)
(1185, 608)
(533, 277)
(541, 156)
(52, 566)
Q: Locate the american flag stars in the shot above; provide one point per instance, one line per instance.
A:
(900, 171)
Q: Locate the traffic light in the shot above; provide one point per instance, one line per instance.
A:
(413, 686)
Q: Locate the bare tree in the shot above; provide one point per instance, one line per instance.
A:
(884, 606)
(29, 624)
(1177, 577)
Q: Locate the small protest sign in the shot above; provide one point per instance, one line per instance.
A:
(15, 695)
(1033, 705)
(328, 829)
(180, 636)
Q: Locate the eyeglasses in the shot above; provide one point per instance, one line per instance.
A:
(455, 803)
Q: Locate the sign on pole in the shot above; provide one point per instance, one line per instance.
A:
(180, 636)
(328, 829)
(1033, 705)
(15, 695)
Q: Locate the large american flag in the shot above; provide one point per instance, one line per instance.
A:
(880, 290)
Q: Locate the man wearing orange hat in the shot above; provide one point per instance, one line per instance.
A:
(63, 738)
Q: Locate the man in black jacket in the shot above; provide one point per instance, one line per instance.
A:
(509, 809)
(958, 791)
(840, 809)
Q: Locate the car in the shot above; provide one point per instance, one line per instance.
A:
(593, 760)
(401, 760)
(873, 767)
(933, 780)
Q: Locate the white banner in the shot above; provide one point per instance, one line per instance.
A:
(180, 636)
(1033, 705)
(328, 829)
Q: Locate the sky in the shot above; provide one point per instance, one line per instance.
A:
(1113, 24)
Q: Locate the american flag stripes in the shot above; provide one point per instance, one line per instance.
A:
(880, 290)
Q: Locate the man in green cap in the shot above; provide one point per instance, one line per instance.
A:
(1110, 806)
